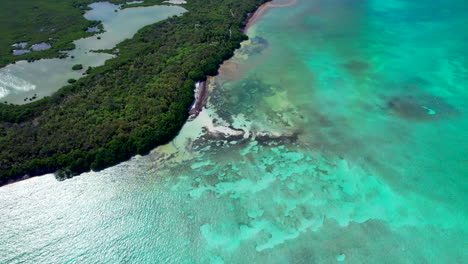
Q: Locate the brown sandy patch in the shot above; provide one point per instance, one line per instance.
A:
(262, 9)
(282, 3)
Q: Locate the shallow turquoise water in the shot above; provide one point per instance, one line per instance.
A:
(343, 139)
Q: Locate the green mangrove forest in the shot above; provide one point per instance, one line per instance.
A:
(135, 102)
(56, 22)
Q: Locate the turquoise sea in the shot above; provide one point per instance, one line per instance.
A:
(337, 134)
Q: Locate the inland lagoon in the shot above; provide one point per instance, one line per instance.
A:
(336, 134)
(43, 77)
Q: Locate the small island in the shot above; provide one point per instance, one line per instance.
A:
(77, 67)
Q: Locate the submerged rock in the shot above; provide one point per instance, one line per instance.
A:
(341, 257)
(420, 108)
(356, 66)
(256, 46)
(265, 138)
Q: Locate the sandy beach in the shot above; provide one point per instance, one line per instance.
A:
(262, 9)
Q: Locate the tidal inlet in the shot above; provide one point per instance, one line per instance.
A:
(336, 134)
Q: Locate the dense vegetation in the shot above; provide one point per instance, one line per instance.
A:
(77, 67)
(57, 22)
(128, 106)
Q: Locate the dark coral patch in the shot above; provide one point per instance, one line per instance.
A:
(356, 66)
(420, 108)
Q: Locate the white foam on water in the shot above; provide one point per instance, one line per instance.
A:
(429, 110)
(4, 92)
(12, 82)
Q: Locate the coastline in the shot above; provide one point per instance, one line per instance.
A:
(200, 96)
(197, 107)
(255, 16)
(318, 141)
(201, 89)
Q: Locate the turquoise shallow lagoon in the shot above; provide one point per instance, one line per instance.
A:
(337, 134)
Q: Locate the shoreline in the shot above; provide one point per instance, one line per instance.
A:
(255, 16)
(197, 104)
(201, 91)
(290, 3)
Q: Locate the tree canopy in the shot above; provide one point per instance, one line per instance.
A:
(128, 106)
